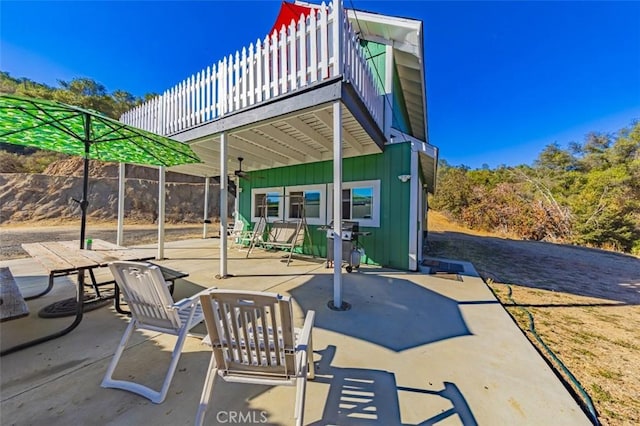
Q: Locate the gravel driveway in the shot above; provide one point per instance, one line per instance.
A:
(11, 237)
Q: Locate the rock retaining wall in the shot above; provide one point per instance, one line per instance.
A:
(34, 197)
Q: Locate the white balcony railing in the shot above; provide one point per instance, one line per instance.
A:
(283, 62)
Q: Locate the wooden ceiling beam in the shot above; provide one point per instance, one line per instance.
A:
(327, 120)
(261, 140)
(309, 132)
(278, 134)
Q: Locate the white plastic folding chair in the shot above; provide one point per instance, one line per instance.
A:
(253, 341)
(256, 236)
(152, 308)
(237, 231)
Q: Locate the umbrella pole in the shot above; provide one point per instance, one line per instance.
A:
(85, 180)
(84, 203)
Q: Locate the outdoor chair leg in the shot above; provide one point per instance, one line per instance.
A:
(311, 374)
(155, 396)
(207, 390)
(116, 357)
(301, 387)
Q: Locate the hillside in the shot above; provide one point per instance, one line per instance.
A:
(48, 196)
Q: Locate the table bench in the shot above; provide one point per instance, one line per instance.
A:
(61, 258)
(12, 304)
(171, 275)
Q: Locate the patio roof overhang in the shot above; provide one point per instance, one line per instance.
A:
(292, 129)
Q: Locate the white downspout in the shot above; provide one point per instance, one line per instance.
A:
(421, 216)
(413, 212)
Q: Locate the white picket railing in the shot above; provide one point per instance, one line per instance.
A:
(283, 62)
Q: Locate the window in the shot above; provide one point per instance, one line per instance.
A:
(360, 202)
(357, 203)
(307, 200)
(266, 202)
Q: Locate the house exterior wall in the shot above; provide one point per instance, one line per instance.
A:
(388, 244)
(375, 53)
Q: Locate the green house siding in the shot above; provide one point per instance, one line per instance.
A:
(388, 244)
(375, 54)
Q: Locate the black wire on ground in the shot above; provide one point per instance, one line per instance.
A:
(586, 399)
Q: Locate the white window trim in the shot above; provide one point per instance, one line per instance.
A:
(256, 191)
(323, 202)
(374, 222)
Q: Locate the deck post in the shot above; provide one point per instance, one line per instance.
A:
(236, 201)
(206, 207)
(337, 302)
(161, 210)
(121, 195)
(388, 92)
(223, 206)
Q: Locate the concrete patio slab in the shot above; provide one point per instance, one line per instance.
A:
(413, 349)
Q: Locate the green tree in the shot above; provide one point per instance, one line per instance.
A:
(454, 190)
(556, 159)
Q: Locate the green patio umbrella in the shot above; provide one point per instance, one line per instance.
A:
(73, 130)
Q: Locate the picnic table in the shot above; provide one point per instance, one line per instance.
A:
(60, 258)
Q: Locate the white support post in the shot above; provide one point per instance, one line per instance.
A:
(206, 207)
(388, 92)
(338, 304)
(236, 201)
(223, 206)
(414, 207)
(121, 195)
(161, 210)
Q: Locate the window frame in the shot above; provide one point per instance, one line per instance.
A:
(257, 191)
(322, 189)
(374, 222)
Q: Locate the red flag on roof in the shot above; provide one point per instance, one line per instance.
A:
(289, 12)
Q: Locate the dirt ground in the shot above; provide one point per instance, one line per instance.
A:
(584, 304)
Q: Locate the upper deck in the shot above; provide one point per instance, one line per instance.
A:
(273, 97)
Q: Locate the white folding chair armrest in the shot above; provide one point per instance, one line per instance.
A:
(305, 335)
(303, 344)
(183, 304)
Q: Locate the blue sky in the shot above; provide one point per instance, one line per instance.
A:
(504, 79)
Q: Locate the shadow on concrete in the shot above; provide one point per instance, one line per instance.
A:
(360, 396)
(390, 312)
